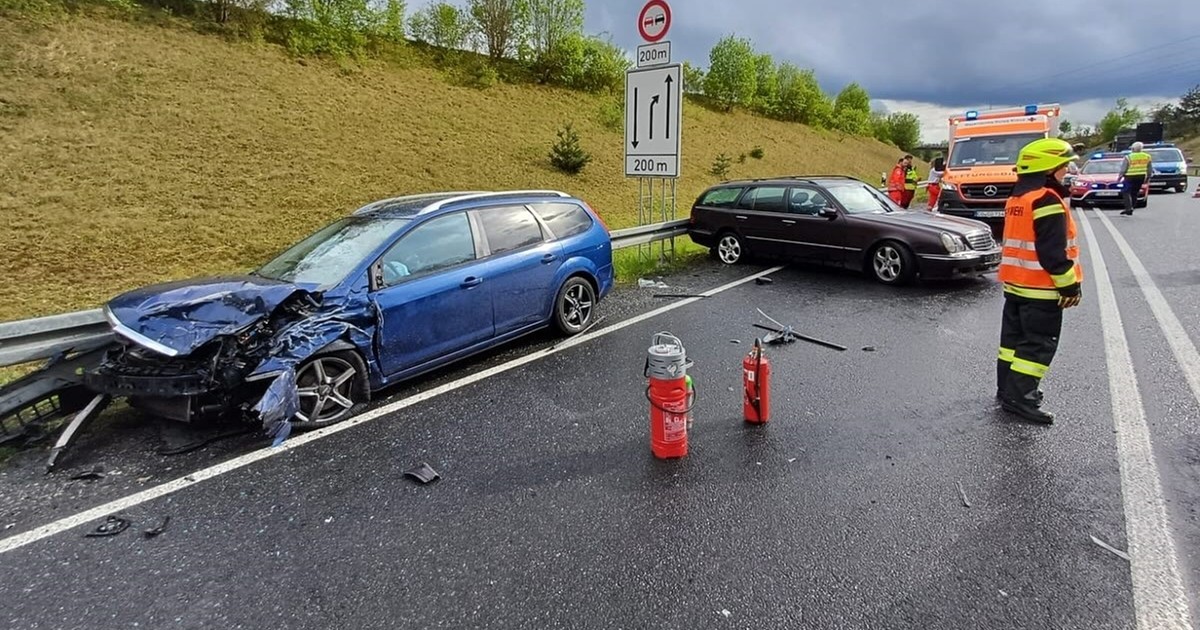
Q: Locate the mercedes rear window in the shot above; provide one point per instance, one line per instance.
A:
(721, 197)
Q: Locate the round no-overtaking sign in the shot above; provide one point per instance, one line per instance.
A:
(654, 21)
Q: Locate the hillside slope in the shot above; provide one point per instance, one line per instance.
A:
(142, 151)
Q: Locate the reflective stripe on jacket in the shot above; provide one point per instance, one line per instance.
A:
(1020, 270)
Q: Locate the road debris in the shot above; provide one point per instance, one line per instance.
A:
(652, 284)
(735, 341)
(423, 473)
(725, 612)
(89, 475)
(962, 493)
(785, 334)
(1110, 548)
(111, 526)
(868, 348)
(162, 527)
(763, 280)
(679, 295)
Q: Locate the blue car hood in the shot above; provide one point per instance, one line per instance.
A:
(176, 318)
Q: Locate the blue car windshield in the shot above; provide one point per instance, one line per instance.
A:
(327, 256)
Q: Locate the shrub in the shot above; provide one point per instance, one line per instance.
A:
(720, 167)
(757, 153)
(611, 115)
(566, 155)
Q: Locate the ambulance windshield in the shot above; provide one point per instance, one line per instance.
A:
(989, 150)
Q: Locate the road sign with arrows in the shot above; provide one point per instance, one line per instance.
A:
(653, 103)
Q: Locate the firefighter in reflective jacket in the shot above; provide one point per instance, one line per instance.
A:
(1041, 275)
(911, 177)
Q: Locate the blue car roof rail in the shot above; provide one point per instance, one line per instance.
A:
(376, 205)
(491, 195)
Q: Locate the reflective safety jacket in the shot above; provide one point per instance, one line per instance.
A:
(911, 178)
(1139, 164)
(1040, 257)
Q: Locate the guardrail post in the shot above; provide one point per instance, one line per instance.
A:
(664, 199)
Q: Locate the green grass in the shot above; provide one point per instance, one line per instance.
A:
(143, 148)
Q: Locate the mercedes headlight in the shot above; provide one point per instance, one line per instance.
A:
(953, 244)
(948, 186)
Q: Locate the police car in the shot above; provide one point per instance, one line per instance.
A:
(1098, 183)
(1169, 168)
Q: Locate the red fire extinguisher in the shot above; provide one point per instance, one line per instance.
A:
(670, 397)
(756, 386)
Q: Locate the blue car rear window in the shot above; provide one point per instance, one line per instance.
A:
(564, 219)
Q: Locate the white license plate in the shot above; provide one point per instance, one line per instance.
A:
(989, 213)
(1107, 193)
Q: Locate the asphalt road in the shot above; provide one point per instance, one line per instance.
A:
(887, 490)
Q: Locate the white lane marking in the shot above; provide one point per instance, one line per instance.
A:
(75, 520)
(1159, 599)
(1177, 337)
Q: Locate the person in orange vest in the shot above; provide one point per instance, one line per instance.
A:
(1041, 274)
(895, 183)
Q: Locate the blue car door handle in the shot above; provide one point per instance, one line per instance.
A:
(471, 282)
(549, 258)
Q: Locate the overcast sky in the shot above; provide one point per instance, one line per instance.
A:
(936, 57)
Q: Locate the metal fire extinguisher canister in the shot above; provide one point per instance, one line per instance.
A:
(756, 386)
(668, 393)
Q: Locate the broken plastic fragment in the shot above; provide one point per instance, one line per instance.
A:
(111, 526)
(1115, 551)
(423, 473)
(278, 404)
(651, 284)
(89, 475)
(725, 612)
(763, 280)
(868, 348)
(162, 527)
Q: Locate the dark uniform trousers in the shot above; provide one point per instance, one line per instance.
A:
(1029, 334)
(1133, 185)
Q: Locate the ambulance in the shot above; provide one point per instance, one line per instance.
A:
(981, 164)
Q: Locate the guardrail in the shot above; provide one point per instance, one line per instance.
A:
(27, 340)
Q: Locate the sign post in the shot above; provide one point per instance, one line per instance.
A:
(654, 121)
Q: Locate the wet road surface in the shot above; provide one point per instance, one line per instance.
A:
(887, 490)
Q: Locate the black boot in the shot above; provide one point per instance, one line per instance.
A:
(1024, 399)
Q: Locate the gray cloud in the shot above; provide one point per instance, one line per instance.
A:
(938, 52)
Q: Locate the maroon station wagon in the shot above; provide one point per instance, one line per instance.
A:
(839, 221)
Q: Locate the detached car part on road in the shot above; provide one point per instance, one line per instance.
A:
(398, 288)
(839, 221)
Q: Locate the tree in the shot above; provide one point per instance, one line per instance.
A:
(1064, 129)
(1120, 117)
(1189, 110)
(852, 110)
(801, 99)
(766, 79)
(732, 77)
(548, 23)
(903, 129)
(566, 155)
(586, 63)
(499, 23)
(693, 79)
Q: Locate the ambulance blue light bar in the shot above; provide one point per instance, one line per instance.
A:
(1031, 110)
(1097, 155)
(972, 115)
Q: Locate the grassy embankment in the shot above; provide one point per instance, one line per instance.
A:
(137, 149)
